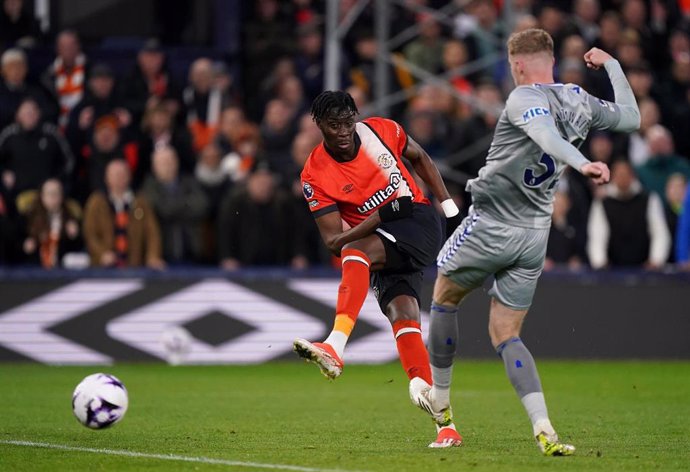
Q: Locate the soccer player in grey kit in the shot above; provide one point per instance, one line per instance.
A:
(506, 231)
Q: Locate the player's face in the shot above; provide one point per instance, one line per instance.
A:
(338, 130)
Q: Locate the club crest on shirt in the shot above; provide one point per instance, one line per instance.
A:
(385, 160)
(308, 190)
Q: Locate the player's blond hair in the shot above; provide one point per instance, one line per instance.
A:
(530, 41)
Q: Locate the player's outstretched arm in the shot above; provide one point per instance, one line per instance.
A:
(629, 119)
(427, 170)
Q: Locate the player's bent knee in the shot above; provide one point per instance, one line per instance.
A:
(447, 292)
(403, 308)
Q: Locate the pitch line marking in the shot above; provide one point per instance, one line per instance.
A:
(168, 457)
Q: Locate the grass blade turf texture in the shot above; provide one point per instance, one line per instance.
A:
(620, 415)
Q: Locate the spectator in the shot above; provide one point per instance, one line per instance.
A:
(202, 103)
(573, 71)
(552, 19)
(630, 52)
(249, 222)
(680, 124)
(9, 230)
(65, 78)
(268, 37)
(14, 88)
(627, 227)
(106, 146)
(676, 186)
(583, 21)
(180, 205)
(214, 173)
(308, 243)
(309, 61)
(52, 227)
(278, 129)
(481, 36)
(573, 47)
(566, 245)
(159, 130)
(290, 91)
(284, 68)
(17, 25)
(455, 56)
(662, 163)
(225, 82)
(610, 30)
(683, 234)
(470, 139)
(150, 83)
(363, 72)
(421, 126)
(31, 151)
(426, 52)
(635, 146)
(100, 100)
(120, 229)
(232, 124)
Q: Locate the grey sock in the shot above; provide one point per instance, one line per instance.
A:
(523, 374)
(443, 341)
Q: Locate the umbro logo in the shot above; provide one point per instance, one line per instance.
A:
(348, 188)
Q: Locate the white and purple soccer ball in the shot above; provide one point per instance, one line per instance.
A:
(100, 400)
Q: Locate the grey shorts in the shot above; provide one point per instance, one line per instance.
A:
(482, 246)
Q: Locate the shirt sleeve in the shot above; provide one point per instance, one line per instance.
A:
(390, 132)
(399, 138)
(624, 115)
(319, 202)
(527, 108)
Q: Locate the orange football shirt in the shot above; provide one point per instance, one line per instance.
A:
(358, 187)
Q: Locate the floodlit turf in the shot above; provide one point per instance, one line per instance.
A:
(620, 415)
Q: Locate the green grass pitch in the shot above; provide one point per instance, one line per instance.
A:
(620, 415)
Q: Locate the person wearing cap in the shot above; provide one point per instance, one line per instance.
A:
(150, 82)
(99, 100)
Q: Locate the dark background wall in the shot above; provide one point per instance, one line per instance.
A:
(253, 316)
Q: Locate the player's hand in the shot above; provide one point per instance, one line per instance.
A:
(597, 171)
(401, 207)
(595, 58)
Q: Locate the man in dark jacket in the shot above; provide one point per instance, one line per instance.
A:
(31, 152)
(180, 205)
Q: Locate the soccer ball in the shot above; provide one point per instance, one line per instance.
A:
(177, 342)
(99, 401)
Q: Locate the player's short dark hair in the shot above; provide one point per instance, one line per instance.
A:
(530, 41)
(332, 101)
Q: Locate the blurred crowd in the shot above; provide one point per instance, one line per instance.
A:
(105, 167)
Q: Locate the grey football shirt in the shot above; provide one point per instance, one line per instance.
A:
(517, 184)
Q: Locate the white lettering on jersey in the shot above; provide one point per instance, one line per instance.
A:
(534, 112)
(381, 195)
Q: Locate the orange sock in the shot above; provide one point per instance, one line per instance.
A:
(354, 284)
(413, 355)
(351, 295)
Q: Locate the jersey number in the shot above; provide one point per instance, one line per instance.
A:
(533, 181)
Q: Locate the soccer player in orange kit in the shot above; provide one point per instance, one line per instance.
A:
(357, 175)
